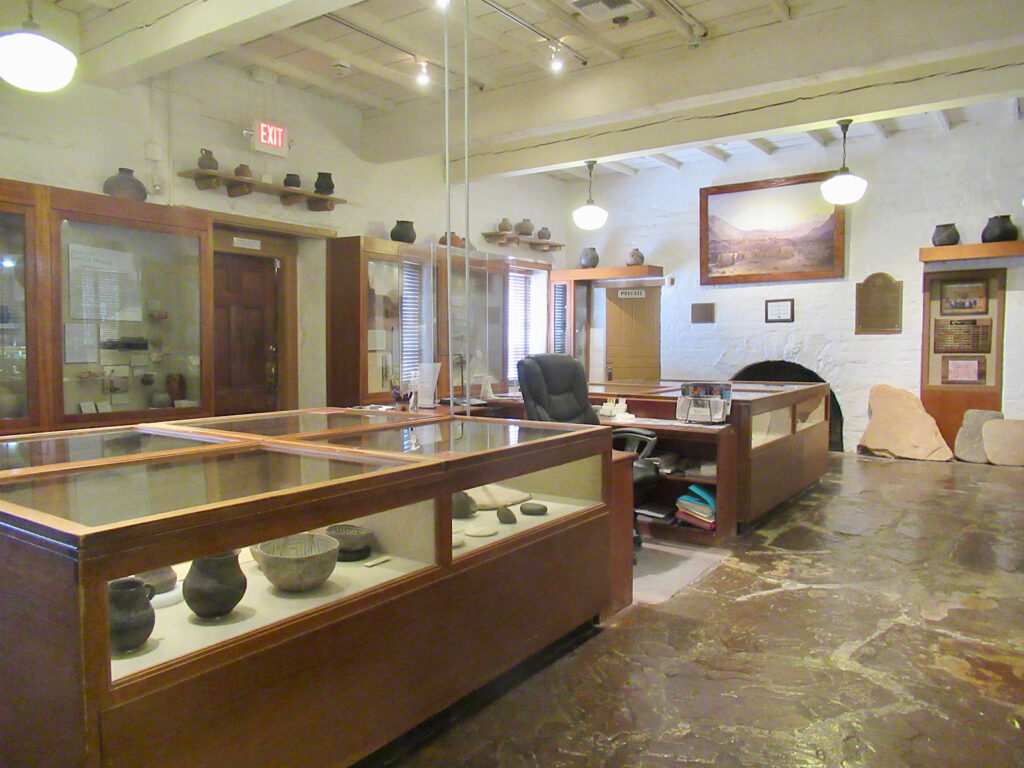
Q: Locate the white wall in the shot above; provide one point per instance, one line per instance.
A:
(918, 178)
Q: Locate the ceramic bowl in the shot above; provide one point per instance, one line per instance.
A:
(299, 562)
(350, 537)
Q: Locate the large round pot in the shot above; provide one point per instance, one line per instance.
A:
(214, 585)
(124, 184)
(945, 234)
(589, 258)
(132, 618)
(999, 229)
(403, 232)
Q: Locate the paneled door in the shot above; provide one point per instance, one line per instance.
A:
(633, 334)
(245, 333)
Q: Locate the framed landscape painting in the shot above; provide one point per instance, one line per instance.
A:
(775, 229)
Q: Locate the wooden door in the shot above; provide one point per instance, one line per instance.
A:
(245, 333)
(633, 333)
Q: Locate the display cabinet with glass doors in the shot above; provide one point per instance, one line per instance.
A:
(167, 586)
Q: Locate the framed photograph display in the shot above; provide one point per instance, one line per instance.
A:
(778, 310)
(963, 297)
(775, 229)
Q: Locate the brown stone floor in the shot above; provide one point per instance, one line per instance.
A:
(877, 620)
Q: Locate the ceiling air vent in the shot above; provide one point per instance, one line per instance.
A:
(604, 10)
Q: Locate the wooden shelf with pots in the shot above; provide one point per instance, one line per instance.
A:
(973, 251)
(511, 238)
(237, 186)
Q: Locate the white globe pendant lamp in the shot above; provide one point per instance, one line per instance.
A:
(33, 62)
(843, 187)
(590, 216)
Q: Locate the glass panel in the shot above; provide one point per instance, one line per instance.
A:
(534, 499)
(297, 422)
(13, 351)
(130, 314)
(108, 495)
(454, 436)
(560, 318)
(383, 331)
(581, 330)
(87, 446)
(810, 412)
(267, 582)
(771, 425)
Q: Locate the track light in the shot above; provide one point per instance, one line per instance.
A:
(843, 187)
(33, 62)
(556, 60)
(423, 78)
(590, 216)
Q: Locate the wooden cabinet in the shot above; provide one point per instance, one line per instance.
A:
(102, 302)
(300, 676)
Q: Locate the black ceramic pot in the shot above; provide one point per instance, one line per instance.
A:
(403, 232)
(214, 585)
(206, 160)
(999, 229)
(324, 184)
(589, 258)
(124, 184)
(132, 618)
(292, 180)
(945, 234)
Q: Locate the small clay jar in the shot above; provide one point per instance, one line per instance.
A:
(525, 228)
(543, 233)
(634, 258)
(505, 225)
(999, 229)
(243, 170)
(207, 161)
(945, 234)
(324, 184)
(214, 585)
(589, 258)
(132, 618)
(124, 184)
(292, 180)
(403, 232)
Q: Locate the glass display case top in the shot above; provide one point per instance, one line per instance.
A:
(302, 422)
(90, 445)
(456, 436)
(116, 494)
(632, 388)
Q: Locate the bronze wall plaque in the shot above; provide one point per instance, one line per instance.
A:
(702, 313)
(879, 305)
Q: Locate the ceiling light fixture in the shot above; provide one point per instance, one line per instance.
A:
(33, 62)
(590, 216)
(843, 187)
(556, 60)
(442, 4)
(423, 78)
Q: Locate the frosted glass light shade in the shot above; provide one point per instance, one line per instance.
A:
(843, 188)
(590, 216)
(34, 62)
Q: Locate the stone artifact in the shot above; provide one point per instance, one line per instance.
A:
(945, 234)
(494, 496)
(533, 508)
(214, 585)
(463, 505)
(589, 258)
(506, 516)
(458, 540)
(353, 541)
(124, 184)
(207, 161)
(324, 184)
(292, 180)
(899, 427)
(969, 445)
(525, 228)
(998, 229)
(299, 562)
(634, 258)
(480, 530)
(132, 618)
(504, 225)
(160, 579)
(403, 232)
(1004, 441)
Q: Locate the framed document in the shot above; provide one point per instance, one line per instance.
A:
(778, 310)
(963, 369)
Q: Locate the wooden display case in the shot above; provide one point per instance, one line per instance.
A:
(299, 676)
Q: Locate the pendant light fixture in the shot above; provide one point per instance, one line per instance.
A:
(33, 62)
(843, 187)
(590, 216)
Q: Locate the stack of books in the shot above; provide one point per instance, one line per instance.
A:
(697, 507)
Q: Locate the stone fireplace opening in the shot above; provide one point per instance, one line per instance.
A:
(783, 370)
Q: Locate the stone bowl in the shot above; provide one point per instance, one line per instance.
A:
(350, 537)
(299, 562)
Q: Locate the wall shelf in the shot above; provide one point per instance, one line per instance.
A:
(511, 238)
(237, 186)
(973, 251)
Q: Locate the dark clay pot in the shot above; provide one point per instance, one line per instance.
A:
(214, 585)
(589, 258)
(524, 228)
(403, 232)
(206, 160)
(124, 184)
(543, 233)
(945, 234)
(132, 618)
(999, 229)
(324, 184)
(292, 180)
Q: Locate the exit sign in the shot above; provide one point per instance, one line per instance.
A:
(270, 138)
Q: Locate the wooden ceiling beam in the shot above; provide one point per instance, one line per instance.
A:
(668, 160)
(577, 27)
(762, 145)
(712, 151)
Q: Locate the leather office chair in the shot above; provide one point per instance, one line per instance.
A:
(554, 388)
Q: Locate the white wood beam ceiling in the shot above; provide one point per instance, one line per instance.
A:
(668, 160)
(623, 168)
(577, 27)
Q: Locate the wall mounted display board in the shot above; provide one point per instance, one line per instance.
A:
(879, 307)
(962, 344)
(276, 565)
